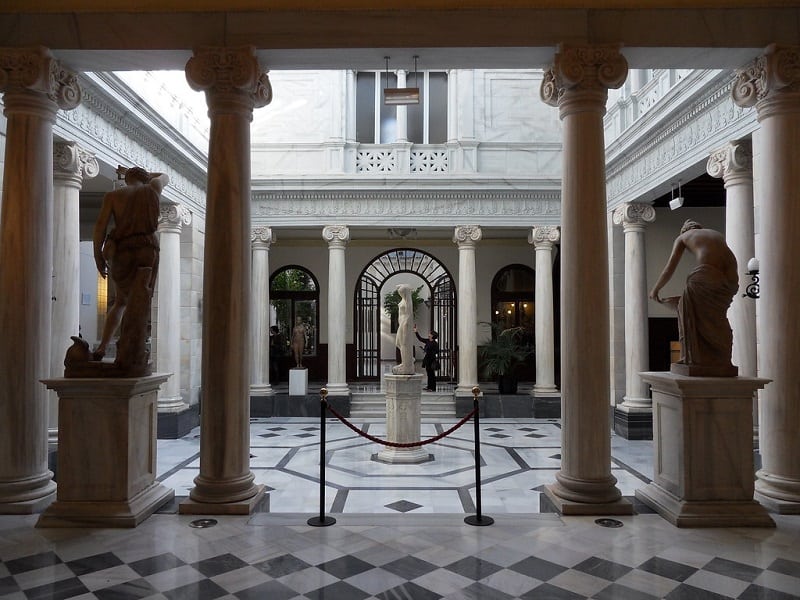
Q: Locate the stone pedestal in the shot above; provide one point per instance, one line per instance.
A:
(298, 382)
(633, 422)
(403, 394)
(703, 463)
(106, 452)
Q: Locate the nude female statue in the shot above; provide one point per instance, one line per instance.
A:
(405, 338)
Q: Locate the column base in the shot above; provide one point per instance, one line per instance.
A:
(776, 505)
(403, 456)
(168, 404)
(242, 507)
(338, 389)
(546, 404)
(572, 508)
(174, 424)
(29, 507)
(695, 513)
(779, 494)
(261, 389)
(633, 423)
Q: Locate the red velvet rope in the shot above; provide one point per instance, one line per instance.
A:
(372, 438)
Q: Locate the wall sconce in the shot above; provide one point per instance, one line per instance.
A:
(400, 96)
(675, 203)
(753, 288)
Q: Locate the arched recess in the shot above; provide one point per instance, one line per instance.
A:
(367, 307)
(293, 295)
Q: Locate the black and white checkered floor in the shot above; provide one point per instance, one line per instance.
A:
(412, 543)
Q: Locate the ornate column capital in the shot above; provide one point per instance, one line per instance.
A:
(633, 216)
(581, 77)
(467, 235)
(73, 164)
(544, 236)
(336, 235)
(770, 80)
(262, 237)
(172, 217)
(30, 74)
(731, 162)
(231, 78)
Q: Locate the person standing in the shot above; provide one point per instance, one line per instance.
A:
(276, 350)
(431, 359)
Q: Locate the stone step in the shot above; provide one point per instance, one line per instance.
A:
(373, 405)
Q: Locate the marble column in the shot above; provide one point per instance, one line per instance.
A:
(337, 237)
(402, 110)
(734, 164)
(261, 238)
(168, 329)
(544, 239)
(633, 419)
(578, 84)
(34, 86)
(234, 85)
(467, 237)
(771, 83)
(71, 165)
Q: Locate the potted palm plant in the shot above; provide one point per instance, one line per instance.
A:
(504, 355)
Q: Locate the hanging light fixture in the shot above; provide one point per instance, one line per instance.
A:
(676, 203)
(400, 96)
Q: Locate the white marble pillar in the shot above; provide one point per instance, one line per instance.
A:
(578, 84)
(544, 239)
(467, 237)
(261, 238)
(402, 110)
(771, 83)
(34, 86)
(234, 85)
(168, 329)
(634, 217)
(71, 165)
(337, 237)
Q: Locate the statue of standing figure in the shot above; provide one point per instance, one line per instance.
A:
(299, 334)
(405, 336)
(705, 333)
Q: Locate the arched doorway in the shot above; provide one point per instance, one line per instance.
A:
(294, 299)
(368, 308)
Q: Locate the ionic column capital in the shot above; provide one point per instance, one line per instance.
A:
(262, 237)
(544, 236)
(581, 76)
(467, 235)
(771, 82)
(633, 216)
(231, 78)
(734, 161)
(172, 218)
(336, 235)
(73, 164)
(28, 74)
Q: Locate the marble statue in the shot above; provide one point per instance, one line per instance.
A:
(298, 342)
(129, 252)
(405, 338)
(705, 334)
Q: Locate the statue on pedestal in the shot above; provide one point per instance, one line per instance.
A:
(705, 334)
(299, 334)
(405, 338)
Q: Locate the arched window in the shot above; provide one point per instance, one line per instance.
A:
(294, 295)
(513, 297)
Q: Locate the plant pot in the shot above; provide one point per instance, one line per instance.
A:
(507, 384)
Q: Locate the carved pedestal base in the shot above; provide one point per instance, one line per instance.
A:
(106, 453)
(703, 444)
(403, 395)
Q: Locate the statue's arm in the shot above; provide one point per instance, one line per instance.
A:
(158, 181)
(677, 251)
(99, 236)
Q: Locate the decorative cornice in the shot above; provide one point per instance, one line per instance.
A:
(583, 73)
(544, 236)
(262, 237)
(71, 161)
(776, 72)
(634, 215)
(26, 70)
(735, 159)
(336, 235)
(172, 217)
(467, 235)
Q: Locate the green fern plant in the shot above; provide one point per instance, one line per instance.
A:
(506, 352)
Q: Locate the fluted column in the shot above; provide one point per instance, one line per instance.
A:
(34, 87)
(544, 240)
(467, 237)
(634, 217)
(771, 83)
(578, 84)
(261, 238)
(71, 165)
(337, 237)
(234, 85)
(168, 330)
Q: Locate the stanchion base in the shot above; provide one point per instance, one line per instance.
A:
(478, 520)
(323, 522)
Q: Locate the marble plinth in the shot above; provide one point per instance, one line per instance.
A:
(703, 445)
(106, 452)
(298, 381)
(403, 395)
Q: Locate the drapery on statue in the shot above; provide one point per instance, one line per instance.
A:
(130, 250)
(405, 336)
(705, 334)
(298, 342)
